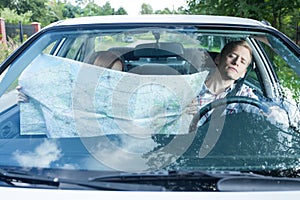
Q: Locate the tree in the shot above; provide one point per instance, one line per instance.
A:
(71, 11)
(245, 8)
(106, 9)
(55, 11)
(12, 17)
(146, 9)
(121, 11)
(81, 3)
(282, 14)
(37, 8)
(164, 11)
(181, 10)
(5, 4)
(277, 10)
(91, 9)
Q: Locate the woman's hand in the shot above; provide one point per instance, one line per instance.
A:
(22, 98)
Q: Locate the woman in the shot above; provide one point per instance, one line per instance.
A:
(109, 60)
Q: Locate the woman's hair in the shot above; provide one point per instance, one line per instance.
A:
(107, 59)
(229, 47)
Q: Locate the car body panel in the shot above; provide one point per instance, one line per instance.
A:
(33, 194)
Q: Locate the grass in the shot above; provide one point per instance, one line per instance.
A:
(7, 49)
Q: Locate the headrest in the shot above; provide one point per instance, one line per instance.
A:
(200, 59)
(92, 56)
(125, 52)
(162, 49)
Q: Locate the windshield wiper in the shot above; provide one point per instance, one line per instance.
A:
(171, 180)
(16, 178)
(148, 176)
(159, 181)
(21, 179)
(193, 174)
(220, 180)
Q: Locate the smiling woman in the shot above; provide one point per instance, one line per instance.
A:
(191, 110)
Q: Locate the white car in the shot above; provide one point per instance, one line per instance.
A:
(70, 128)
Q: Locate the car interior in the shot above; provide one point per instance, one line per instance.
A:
(145, 58)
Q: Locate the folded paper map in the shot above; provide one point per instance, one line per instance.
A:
(68, 98)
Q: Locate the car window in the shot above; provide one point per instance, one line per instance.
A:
(285, 68)
(76, 49)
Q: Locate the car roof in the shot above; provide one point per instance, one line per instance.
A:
(176, 19)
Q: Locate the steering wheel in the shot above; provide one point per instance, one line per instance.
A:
(224, 101)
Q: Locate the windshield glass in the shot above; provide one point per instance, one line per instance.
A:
(150, 99)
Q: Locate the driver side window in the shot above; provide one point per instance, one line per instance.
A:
(288, 78)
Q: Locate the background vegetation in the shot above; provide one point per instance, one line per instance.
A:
(282, 14)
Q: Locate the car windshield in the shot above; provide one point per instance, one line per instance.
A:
(63, 108)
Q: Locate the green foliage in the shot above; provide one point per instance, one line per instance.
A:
(181, 10)
(146, 9)
(121, 11)
(282, 14)
(48, 11)
(164, 11)
(7, 49)
(289, 80)
(70, 11)
(37, 8)
(106, 9)
(12, 17)
(55, 11)
(91, 9)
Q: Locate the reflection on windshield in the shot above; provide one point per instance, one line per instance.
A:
(42, 156)
(255, 146)
(286, 65)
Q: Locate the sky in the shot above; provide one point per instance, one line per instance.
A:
(133, 7)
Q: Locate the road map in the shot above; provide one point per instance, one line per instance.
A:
(68, 98)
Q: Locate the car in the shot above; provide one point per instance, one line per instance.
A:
(71, 128)
(128, 39)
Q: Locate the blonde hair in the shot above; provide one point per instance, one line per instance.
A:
(107, 59)
(229, 47)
